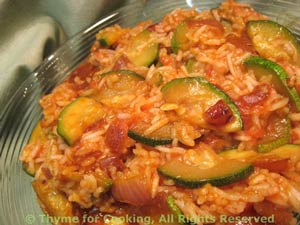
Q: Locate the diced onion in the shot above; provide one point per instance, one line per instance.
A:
(134, 191)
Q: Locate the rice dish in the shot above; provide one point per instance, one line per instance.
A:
(194, 119)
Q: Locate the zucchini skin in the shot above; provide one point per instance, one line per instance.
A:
(278, 73)
(193, 183)
(282, 132)
(125, 72)
(181, 219)
(268, 65)
(145, 56)
(219, 181)
(150, 141)
(263, 33)
(26, 170)
(179, 40)
(76, 117)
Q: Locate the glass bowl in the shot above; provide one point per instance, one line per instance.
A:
(18, 203)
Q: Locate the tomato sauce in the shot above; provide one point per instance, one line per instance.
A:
(84, 71)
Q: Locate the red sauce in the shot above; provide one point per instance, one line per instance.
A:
(216, 143)
(121, 63)
(152, 27)
(282, 215)
(242, 42)
(168, 60)
(111, 161)
(209, 22)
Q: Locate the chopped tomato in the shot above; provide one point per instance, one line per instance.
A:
(257, 97)
(282, 215)
(116, 136)
(218, 114)
(272, 163)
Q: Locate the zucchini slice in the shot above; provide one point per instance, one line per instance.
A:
(121, 82)
(123, 73)
(223, 173)
(198, 95)
(109, 36)
(179, 39)
(290, 151)
(157, 79)
(30, 172)
(37, 135)
(263, 67)
(143, 49)
(277, 134)
(270, 40)
(53, 203)
(118, 85)
(235, 154)
(161, 136)
(78, 116)
(190, 65)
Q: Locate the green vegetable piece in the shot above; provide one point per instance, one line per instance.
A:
(37, 135)
(108, 37)
(290, 151)
(179, 39)
(143, 49)
(53, 202)
(30, 172)
(263, 67)
(270, 39)
(277, 135)
(157, 79)
(296, 215)
(190, 65)
(78, 116)
(161, 136)
(189, 91)
(179, 216)
(223, 173)
(124, 72)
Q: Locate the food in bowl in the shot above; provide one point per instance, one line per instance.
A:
(194, 119)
